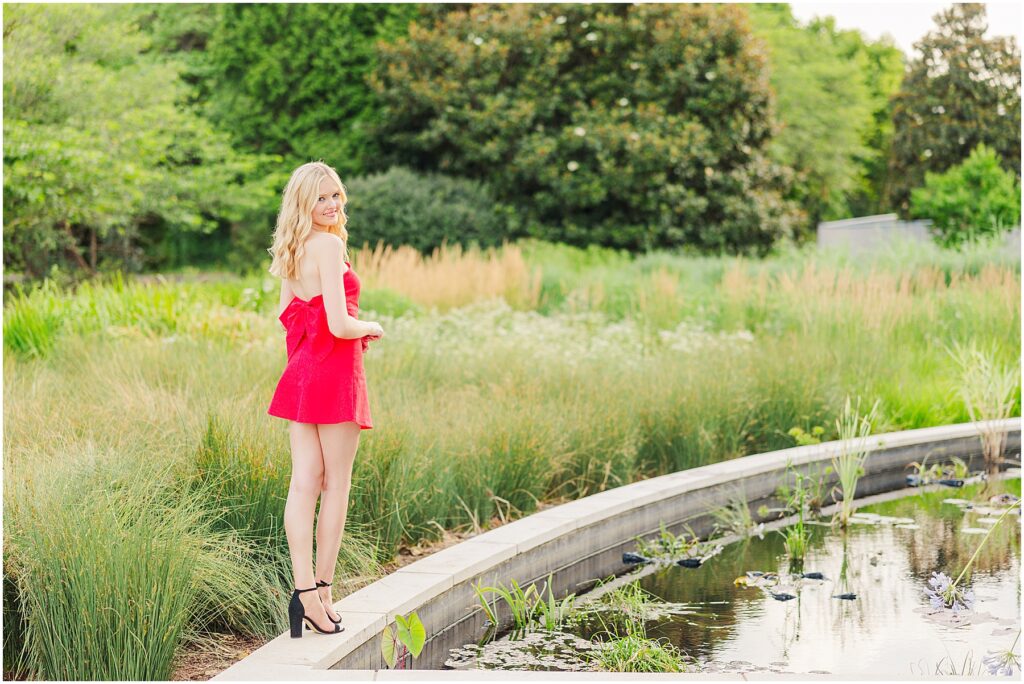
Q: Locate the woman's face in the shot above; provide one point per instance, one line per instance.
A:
(328, 205)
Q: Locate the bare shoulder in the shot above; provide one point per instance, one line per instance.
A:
(326, 247)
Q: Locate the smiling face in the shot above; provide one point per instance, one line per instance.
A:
(327, 208)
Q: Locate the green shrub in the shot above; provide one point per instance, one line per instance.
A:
(402, 207)
(973, 199)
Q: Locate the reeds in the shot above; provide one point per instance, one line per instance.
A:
(990, 391)
(853, 430)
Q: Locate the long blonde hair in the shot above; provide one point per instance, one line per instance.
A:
(295, 221)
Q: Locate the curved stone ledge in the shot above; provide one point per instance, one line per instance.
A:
(577, 543)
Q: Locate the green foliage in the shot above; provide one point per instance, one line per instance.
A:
(409, 632)
(634, 126)
(832, 91)
(964, 90)
(971, 200)
(805, 438)
(102, 166)
(624, 643)
(528, 607)
(424, 210)
(289, 79)
(799, 498)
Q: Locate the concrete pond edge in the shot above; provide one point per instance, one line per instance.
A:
(577, 543)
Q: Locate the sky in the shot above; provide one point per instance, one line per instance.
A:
(906, 22)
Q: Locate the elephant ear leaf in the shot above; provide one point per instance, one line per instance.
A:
(403, 629)
(418, 635)
(387, 647)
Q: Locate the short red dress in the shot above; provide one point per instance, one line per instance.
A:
(324, 381)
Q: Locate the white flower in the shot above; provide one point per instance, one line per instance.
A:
(708, 171)
(623, 101)
(591, 36)
(710, 75)
(478, 41)
(560, 20)
(585, 24)
(634, 136)
(927, 153)
(634, 65)
(580, 131)
(572, 166)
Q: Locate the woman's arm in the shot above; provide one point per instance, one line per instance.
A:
(329, 255)
(286, 297)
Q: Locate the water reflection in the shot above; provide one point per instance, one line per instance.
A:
(886, 630)
(728, 624)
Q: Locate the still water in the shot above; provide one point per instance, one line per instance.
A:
(885, 558)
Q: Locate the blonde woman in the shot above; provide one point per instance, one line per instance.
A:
(322, 391)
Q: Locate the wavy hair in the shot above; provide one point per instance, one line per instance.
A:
(295, 220)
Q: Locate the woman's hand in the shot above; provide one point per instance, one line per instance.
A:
(378, 332)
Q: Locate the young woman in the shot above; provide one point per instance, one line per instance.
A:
(322, 390)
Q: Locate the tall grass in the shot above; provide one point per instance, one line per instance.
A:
(495, 388)
(987, 388)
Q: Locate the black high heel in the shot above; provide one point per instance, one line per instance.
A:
(297, 616)
(321, 583)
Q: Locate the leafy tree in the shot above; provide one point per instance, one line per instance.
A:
(962, 91)
(969, 200)
(832, 91)
(637, 126)
(289, 79)
(96, 148)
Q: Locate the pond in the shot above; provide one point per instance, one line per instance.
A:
(726, 615)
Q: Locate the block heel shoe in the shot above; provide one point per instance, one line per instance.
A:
(297, 616)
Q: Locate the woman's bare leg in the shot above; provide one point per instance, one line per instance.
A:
(303, 490)
(338, 442)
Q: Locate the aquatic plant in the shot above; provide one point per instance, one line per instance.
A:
(735, 518)
(551, 613)
(952, 473)
(528, 606)
(637, 653)
(946, 594)
(853, 429)
(1002, 662)
(671, 547)
(626, 647)
(409, 632)
(988, 390)
(797, 497)
(613, 609)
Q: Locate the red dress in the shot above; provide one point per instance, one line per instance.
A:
(323, 381)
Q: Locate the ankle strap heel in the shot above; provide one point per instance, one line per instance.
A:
(297, 616)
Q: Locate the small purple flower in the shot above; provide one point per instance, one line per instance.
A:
(945, 594)
(1000, 662)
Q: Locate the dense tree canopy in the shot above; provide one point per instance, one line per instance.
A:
(634, 126)
(96, 147)
(289, 79)
(156, 135)
(962, 91)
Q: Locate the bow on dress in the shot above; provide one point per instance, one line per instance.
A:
(307, 319)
